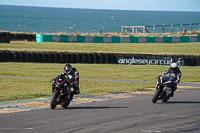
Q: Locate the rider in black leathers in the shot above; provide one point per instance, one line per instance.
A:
(176, 74)
(73, 77)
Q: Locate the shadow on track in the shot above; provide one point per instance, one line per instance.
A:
(183, 102)
(90, 107)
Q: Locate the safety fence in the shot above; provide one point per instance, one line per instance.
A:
(116, 39)
(98, 58)
(162, 28)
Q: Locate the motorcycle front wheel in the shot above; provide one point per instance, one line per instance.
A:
(165, 100)
(155, 96)
(54, 100)
(66, 104)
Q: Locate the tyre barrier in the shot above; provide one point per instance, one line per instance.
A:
(22, 37)
(4, 37)
(97, 58)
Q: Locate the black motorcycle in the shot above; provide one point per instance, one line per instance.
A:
(61, 91)
(163, 88)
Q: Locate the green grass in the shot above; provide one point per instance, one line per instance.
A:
(97, 71)
(21, 88)
(192, 48)
(28, 88)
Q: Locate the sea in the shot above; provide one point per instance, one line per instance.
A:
(51, 20)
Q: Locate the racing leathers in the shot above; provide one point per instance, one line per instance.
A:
(176, 76)
(73, 80)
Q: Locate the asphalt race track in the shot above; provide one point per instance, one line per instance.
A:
(132, 114)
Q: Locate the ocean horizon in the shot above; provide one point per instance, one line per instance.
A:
(70, 20)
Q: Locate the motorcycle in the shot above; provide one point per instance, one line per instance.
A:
(61, 91)
(163, 88)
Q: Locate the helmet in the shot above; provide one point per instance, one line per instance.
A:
(67, 68)
(174, 67)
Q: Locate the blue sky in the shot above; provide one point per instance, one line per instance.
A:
(155, 5)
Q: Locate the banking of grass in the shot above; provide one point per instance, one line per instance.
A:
(30, 88)
(192, 48)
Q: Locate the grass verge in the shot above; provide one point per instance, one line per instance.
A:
(30, 88)
(192, 48)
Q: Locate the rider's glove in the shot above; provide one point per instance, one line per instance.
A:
(52, 80)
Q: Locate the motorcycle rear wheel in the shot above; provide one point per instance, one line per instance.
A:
(54, 102)
(155, 96)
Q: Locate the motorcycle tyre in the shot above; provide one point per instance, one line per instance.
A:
(66, 104)
(165, 100)
(53, 102)
(155, 96)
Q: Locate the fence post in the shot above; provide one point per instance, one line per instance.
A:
(172, 28)
(181, 27)
(132, 29)
(199, 26)
(122, 29)
(190, 27)
(163, 28)
(144, 29)
(154, 29)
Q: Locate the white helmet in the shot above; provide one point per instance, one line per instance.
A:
(174, 67)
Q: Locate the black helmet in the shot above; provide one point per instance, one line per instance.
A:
(174, 67)
(67, 68)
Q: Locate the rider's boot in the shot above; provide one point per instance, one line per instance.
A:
(174, 88)
(172, 93)
(71, 95)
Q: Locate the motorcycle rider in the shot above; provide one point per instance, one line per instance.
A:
(176, 74)
(73, 77)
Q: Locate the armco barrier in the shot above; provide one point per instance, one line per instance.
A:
(89, 39)
(193, 38)
(175, 39)
(184, 38)
(198, 38)
(98, 39)
(6, 37)
(64, 38)
(133, 39)
(150, 39)
(125, 39)
(167, 39)
(116, 39)
(47, 38)
(80, 38)
(72, 38)
(142, 39)
(107, 39)
(97, 58)
(159, 39)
